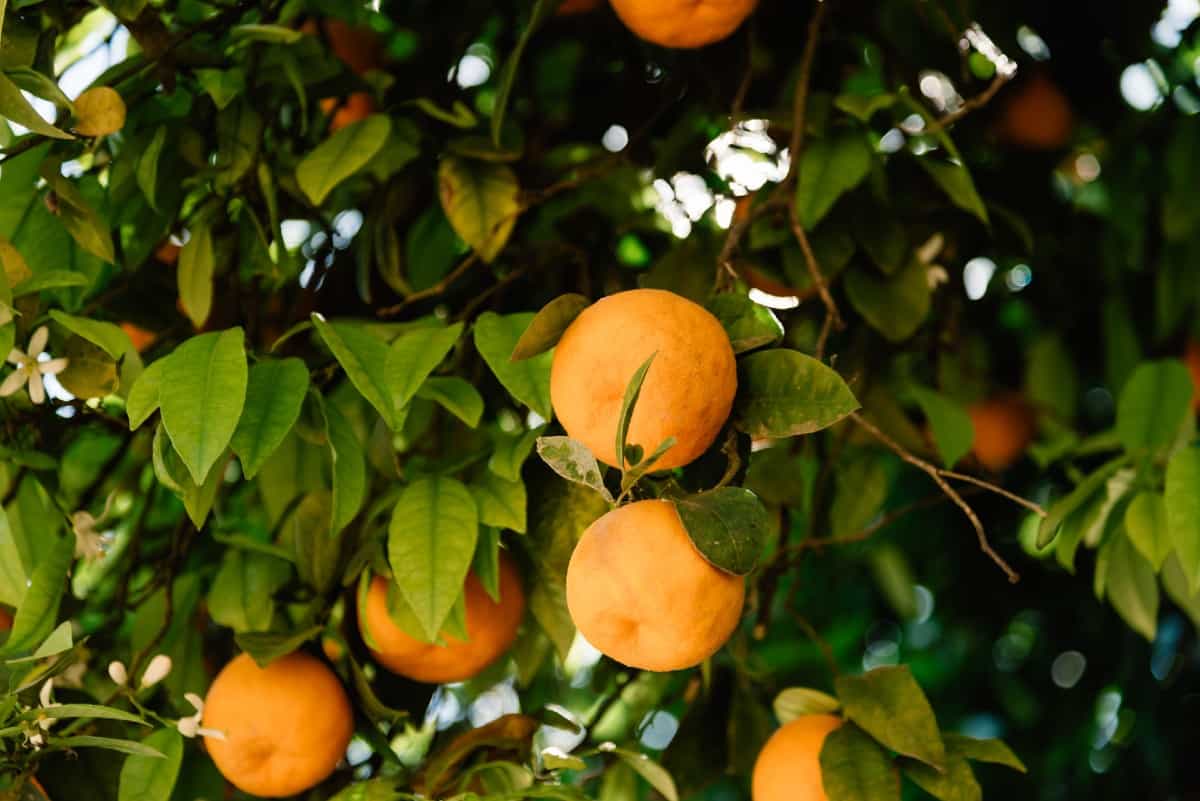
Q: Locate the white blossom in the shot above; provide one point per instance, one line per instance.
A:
(190, 726)
(157, 670)
(29, 369)
(89, 543)
(117, 672)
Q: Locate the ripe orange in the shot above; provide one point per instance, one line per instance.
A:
(639, 591)
(1004, 427)
(491, 629)
(789, 765)
(687, 394)
(348, 110)
(683, 23)
(356, 46)
(578, 6)
(286, 725)
(1191, 358)
(140, 337)
(1037, 116)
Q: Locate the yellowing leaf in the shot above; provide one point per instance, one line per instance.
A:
(480, 200)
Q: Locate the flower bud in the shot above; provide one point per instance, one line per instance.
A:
(157, 670)
(116, 672)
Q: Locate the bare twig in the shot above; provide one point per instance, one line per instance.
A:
(433, 291)
(971, 104)
(939, 478)
(1001, 491)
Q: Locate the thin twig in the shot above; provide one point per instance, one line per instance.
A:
(970, 104)
(1001, 491)
(833, 317)
(938, 477)
(433, 291)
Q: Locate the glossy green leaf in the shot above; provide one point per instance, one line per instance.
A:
(954, 179)
(1069, 503)
(783, 393)
(728, 526)
(1182, 500)
(431, 541)
(275, 391)
(797, 701)
(1146, 525)
(1131, 586)
(110, 337)
(481, 202)
(413, 356)
(830, 167)
(548, 326)
(341, 156)
(130, 747)
(501, 503)
(36, 616)
(265, 647)
(366, 360)
(455, 395)
(983, 750)
(241, 596)
(528, 380)
(890, 706)
(196, 265)
(50, 279)
(748, 324)
(202, 393)
(855, 768)
(895, 305)
(349, 469)
(15, 107)
(143, 396)
(952, 428)
(1153, 404)
(147, 778)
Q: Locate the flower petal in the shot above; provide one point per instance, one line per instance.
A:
(44, 693)
(215, 734)
(53, 366)
(37, 342)
(37, 392)
(15, 356)
(195, 701)
(117, 672)
(188, 726)
(13, 382)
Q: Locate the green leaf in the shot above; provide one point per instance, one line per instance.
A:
(895, 305)
(36, 616)
(242, 593)
(59, 640)
(50, 279)
(93, 711)
(275, 392)
(863, 107)
(528, 380)
(143, 395)
(431, 541)
(855, 768)
(572, 460)
(748, 324)
(783, 393)
(954, 179)
(861, 484)
(15, 107)
(797, 701)
(829, 168)
(202, 393)
(223, 86)
(82, 222)
(1072, 501)
(632, 390)
(455, 395)
(1146, 525)
(349, 469)
(511, 451)
(548, 325)
(108, 743)
(265, 647)
(481, 202)
(367, 363)
(1131, 586)
(890, 706)
(1051, 379)
(728, 526)
(147, 166)
(952, 428)
(957, 783)
(894, 579)
(110, 337)
(1182, 498)
(269, 34)
(372, 790)
(413, 356)
(501, 502)
(40, 85)
(655, 774)
(196, 264)
(983, 750)
(341, 155)
(1155, 401)
(145, 778)
(542, 10)
(486, 564)
(90, 372)
(198, 499)
(1175, 582)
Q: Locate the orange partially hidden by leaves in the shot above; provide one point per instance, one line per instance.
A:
(1004, 427)
(167, 252)
(348, 110)
(789, 765)
(6, 620)
(1037, 116)
(140, 337)
(1191, 358)
(683, 23)
(578, 6)
(639, 591)
(285, 725)
(356, 46)
(688, 391)
(491, 629)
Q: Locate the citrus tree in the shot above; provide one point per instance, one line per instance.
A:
(664, 399)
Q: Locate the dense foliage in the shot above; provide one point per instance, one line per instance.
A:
(282, 289)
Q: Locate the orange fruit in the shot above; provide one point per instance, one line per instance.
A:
(6, 620)
(348, 110)
(167, 252)
(1191, 358)
(578, 6)
(285, 725)
(640, 592)
(683, 23)
(789, 766)
(491, 629)
(1037, 116)
(1004, 427)
(356, 46)
(687, 394)
(140, 337)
